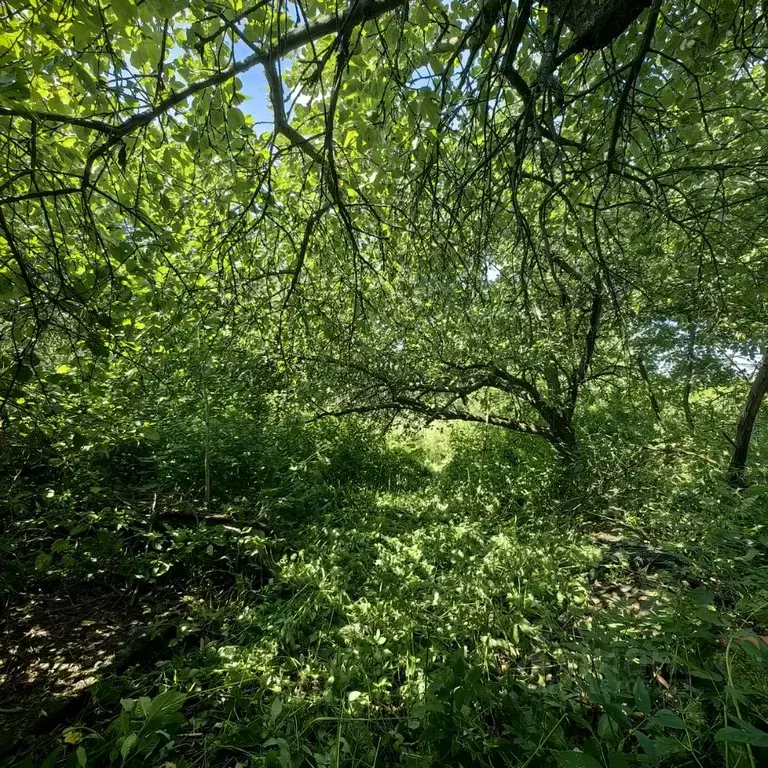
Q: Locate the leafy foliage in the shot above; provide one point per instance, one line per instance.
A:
(394, 405)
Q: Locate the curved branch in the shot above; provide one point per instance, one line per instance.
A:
(39, 195)
(282, 125)
(296, 38)
(637, 64)
(437, 414)
(55, 117)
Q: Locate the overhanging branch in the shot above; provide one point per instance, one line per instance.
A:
(294, 39)
(637, 64)
(447, 414)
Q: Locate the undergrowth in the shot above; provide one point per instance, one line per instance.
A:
(408, 607)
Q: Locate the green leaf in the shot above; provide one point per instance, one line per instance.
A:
(642, 697)
(648, 746)
(604, 726)
(732, 734)
(51, 760)
(757, 738)
(615, 713)
(164, 705)
(144, 704)
(128, 743)
(576, 760)
(275, 709)
(82, 758)
(235, 119)
(23, 374)
(705, 674)
(703, 596)
(667, 719)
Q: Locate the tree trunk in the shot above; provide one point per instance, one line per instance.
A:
(689, 376)
(651, 394)
(565, 443)
(737, 469)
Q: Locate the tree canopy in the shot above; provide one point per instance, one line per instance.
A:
(586, 173)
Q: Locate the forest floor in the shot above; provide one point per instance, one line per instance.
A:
(404, 628)
(58, 642)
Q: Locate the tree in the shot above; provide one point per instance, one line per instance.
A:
(736, 470)
(478, 347)
(616, 150)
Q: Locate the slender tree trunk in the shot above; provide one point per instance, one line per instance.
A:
(207, 422)
(737, 469)
(689, 376)
(651, 394)
(561, 420)
(207, 460)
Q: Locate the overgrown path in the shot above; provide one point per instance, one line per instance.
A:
(396, 623)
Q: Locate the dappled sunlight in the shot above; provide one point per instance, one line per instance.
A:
(58, 644)
(382, 384)
(412, 620)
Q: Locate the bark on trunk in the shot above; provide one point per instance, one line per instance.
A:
(565, 441)
(737, 469)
